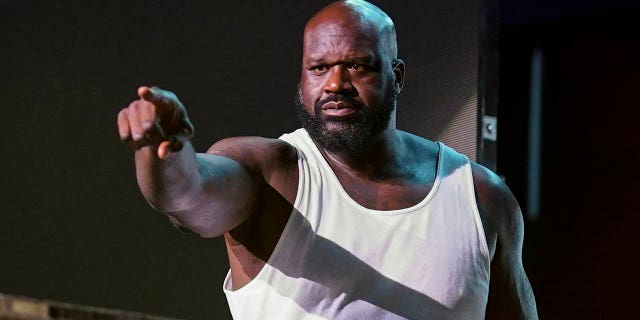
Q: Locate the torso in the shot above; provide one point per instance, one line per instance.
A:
(392, 193)
(250, 245)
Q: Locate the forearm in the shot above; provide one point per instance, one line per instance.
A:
(526, 302)
(510, 296)
(170, 184)
(209, 194)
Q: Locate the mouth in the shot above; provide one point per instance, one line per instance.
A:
(338, 108)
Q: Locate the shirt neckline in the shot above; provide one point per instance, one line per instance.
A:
(352, 202)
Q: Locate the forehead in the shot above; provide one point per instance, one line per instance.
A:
(340, 37)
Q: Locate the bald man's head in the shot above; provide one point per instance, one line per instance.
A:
(350, 77)
(357, 14)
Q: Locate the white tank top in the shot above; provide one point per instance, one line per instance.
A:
(337, 259)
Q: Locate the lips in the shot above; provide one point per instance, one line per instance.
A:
(338, 108)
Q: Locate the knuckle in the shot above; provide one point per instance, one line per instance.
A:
(136, 105)
(144, 107)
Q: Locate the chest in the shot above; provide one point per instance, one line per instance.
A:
(388, 194)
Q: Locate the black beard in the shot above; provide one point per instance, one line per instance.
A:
(347, 135)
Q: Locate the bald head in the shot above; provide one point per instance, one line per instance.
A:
(350, 77)
(356, 15)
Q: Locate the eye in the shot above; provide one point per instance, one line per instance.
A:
(318, 70)
(356, 67)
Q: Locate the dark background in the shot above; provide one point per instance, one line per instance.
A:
(581, 252)
(74, 227)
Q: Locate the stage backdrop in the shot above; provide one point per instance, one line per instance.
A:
(74, 226)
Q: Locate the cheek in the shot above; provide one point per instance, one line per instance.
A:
(310, 89)
(372, 91)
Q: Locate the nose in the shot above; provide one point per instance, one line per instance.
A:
(338, 80)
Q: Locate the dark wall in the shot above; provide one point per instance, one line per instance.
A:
(74, 227)
(580, 252)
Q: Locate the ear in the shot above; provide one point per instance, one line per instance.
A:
(398, 73)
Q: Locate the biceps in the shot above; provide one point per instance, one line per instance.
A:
(510, 293)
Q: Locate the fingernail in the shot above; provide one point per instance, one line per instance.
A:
(147, 124)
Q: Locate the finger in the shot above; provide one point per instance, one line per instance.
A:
(149, 123)
(145, 93)
(123, 126)
(165, 101)
(164, 150)
(166, 108)
(169, 147)
(137, 132)
(146, 114)
(154, 95)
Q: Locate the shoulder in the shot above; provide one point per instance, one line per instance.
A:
(271, 160)
(419, 145)
(489, 186)
(492, 192)
(256, 153)
(499, 210)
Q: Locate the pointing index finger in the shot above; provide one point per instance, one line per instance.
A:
(146, 93)
(159, 98)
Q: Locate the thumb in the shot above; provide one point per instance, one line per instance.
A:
(169, 147)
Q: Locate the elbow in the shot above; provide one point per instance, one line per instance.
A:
(169, 199)
(207, 224)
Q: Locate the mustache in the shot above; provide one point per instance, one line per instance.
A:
(338, 98)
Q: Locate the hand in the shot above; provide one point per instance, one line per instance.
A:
(157, 119)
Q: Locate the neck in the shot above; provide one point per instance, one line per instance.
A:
(379, 161)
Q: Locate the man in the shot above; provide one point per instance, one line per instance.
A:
(348, 218)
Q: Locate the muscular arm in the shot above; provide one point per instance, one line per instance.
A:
(510, 293)
(207, 193)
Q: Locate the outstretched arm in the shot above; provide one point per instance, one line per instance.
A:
(209, 194)
(510, 293)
